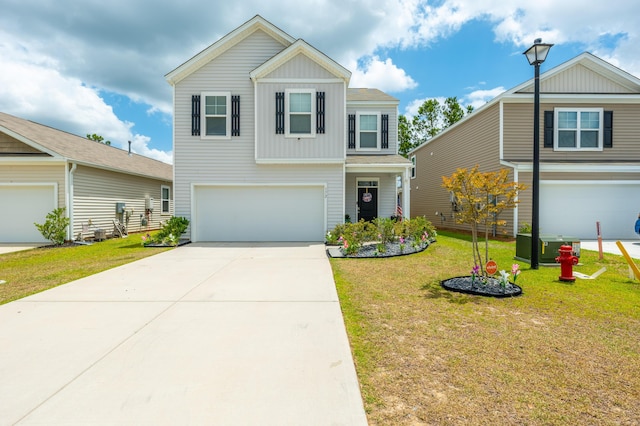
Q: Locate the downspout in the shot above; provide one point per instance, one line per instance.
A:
(70, 198)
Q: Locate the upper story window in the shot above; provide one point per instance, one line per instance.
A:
(300, 111)
(579, 129)
(165, 193)
(216, 120)
(368, 131)
(413, 167)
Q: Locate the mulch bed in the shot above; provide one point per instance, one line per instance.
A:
(488, 286)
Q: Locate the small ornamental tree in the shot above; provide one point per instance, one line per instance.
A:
(54, 228)
(481, 197)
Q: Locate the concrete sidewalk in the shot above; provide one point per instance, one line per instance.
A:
(224, 334)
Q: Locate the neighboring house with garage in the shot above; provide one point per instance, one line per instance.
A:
(42, 169)
(271, 144)
(589, 152)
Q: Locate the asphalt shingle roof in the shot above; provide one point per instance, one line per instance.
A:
(82, 150)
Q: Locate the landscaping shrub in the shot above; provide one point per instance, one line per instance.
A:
(170, 232)
(54, 228)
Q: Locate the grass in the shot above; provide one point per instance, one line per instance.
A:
(32, 271)
(562, 353)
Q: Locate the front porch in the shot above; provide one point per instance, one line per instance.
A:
(376, 185)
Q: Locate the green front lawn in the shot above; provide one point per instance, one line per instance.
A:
(561, 353)
(32, 271)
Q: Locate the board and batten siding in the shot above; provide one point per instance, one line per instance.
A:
(202, 161)
(392, 112)
(328, 146)
(96, 192)
(518, 134)
(300, 66)
(35, 173)
(477, 142)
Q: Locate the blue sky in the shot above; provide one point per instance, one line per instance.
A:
(98, 67)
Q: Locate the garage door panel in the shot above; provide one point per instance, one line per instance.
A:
(24, 205)
(573, 209)
(260, 213)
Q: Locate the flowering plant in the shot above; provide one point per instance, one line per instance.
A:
(402, 244)
(504, 278)
(475, 271)
(515, 271)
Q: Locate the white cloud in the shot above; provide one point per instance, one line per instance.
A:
(32, 87)
(383, 75)
(477, 98)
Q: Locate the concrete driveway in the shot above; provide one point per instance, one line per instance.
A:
(205, 334)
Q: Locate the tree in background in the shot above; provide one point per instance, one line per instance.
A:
(481, 197)
(432, 118)
(98, 138)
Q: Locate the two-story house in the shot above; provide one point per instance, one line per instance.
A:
(589, 152)
(271, 144)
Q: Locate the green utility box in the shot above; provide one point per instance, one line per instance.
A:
(548, 247)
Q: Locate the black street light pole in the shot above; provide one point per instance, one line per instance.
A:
(536, 55)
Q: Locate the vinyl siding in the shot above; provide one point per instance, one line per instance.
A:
(199, 161)
(579, 79)
(277, 147)
(474, 141)
(35, 174)
(14, 146)
(96, 192)
(393, 129)
(301, 66)
(386, 194)
(518, 134)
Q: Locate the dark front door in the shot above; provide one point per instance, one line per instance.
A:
(367, 203)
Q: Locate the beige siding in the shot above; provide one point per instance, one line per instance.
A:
(96, 192)
(392, 111)
(35, 174)
(463, 146)
(277, 147)
(518, 134)
(579, 79)
(14, 146)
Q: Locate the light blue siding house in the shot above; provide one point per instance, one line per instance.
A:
(271, 144)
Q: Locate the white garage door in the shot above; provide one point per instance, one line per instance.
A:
(259, 213)
(23, 205)
(573, 209)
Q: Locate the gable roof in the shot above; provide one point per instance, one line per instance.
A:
(357, 95)
(524, 91)
(63, 145)
(301, 47)
(596, 65)
(225, 43)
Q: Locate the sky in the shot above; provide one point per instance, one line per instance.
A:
(94, 66)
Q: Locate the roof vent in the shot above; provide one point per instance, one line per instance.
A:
(129, 148)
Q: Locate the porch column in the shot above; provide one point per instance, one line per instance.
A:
(406, 190)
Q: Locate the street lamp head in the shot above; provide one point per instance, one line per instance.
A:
(537, 53)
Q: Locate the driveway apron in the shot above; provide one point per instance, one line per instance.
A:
(215, 334)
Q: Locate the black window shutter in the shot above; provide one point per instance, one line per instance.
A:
(548, 129)
(608, 129)
(352, 131)
(319, 112)
(235, 115)
(279, 113)
(195, 115)
(385, 131)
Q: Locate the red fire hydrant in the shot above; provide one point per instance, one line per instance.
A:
(566, 260)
